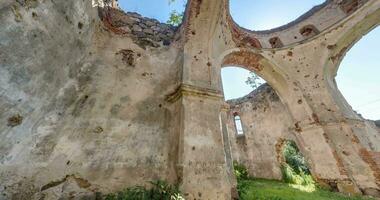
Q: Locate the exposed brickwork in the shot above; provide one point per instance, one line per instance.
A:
(276, 42)
(373, 160)
(244, 58)
(349, 6)
(279, 147)
(339, 162)
(242, 38)
(144, 31)
(309, 31)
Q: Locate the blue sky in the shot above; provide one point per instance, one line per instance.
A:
(359, 74)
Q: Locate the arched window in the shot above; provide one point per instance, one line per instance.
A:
(238, 125)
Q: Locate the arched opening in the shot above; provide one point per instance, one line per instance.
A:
(268, 14)
(239, 82)
(358, 76)
(295, 169)
(253, 107)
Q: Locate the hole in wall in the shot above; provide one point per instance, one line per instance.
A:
(239, 82)
(358, 76)
(264, 15)
(157, 9)
(294, 167)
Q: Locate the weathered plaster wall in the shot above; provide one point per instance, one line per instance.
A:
(371, 139)
(82, 109)
(266, 123)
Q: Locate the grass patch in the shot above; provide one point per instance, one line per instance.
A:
(298, 183)
(260, 189)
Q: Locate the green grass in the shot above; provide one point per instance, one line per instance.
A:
(259, 189)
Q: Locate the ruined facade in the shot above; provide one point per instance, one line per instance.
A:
(95, 100)
(265, 122)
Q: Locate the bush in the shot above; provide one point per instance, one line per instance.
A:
(242, 177)
(160, 190)
(294, 158)
(240, 171)
(295, 170)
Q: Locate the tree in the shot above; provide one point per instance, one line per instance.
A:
(175, 18)
(254, 81)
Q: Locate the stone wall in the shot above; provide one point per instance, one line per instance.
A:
(82, 108)
(266, 124)
(142, 30)
(370, 140)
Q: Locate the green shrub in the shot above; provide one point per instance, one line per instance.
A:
(295, 169)
(240, 171)
(290, 176)
(294, 158)
(242, 176)
(160, 190)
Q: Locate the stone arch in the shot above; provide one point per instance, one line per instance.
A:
(277, 79)
(255, 62)
(294, 32)
(307, 131)
(338, 51)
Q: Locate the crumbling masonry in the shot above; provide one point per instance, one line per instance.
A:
(96, 100)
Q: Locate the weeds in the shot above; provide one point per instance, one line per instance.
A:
(160, 190)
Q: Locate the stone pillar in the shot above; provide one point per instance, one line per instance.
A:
(228, 150)
(202, 166)
(344, 131)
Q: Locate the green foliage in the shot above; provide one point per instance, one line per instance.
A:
(290, 176)
(242, 175)
(302, 185)
(260, 189)
(295, 169)
(240, 171)
(254, 81)
(175, 18)
(294, 158)
(160, 190)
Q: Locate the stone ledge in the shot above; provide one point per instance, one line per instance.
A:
(190, 90)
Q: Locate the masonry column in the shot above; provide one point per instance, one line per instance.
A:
(202, 162)
(202, 166)
(325, 125)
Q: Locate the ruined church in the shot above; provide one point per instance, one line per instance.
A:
(93, 99)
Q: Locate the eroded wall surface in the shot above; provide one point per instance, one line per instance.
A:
(83, 109)
(266, 124)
